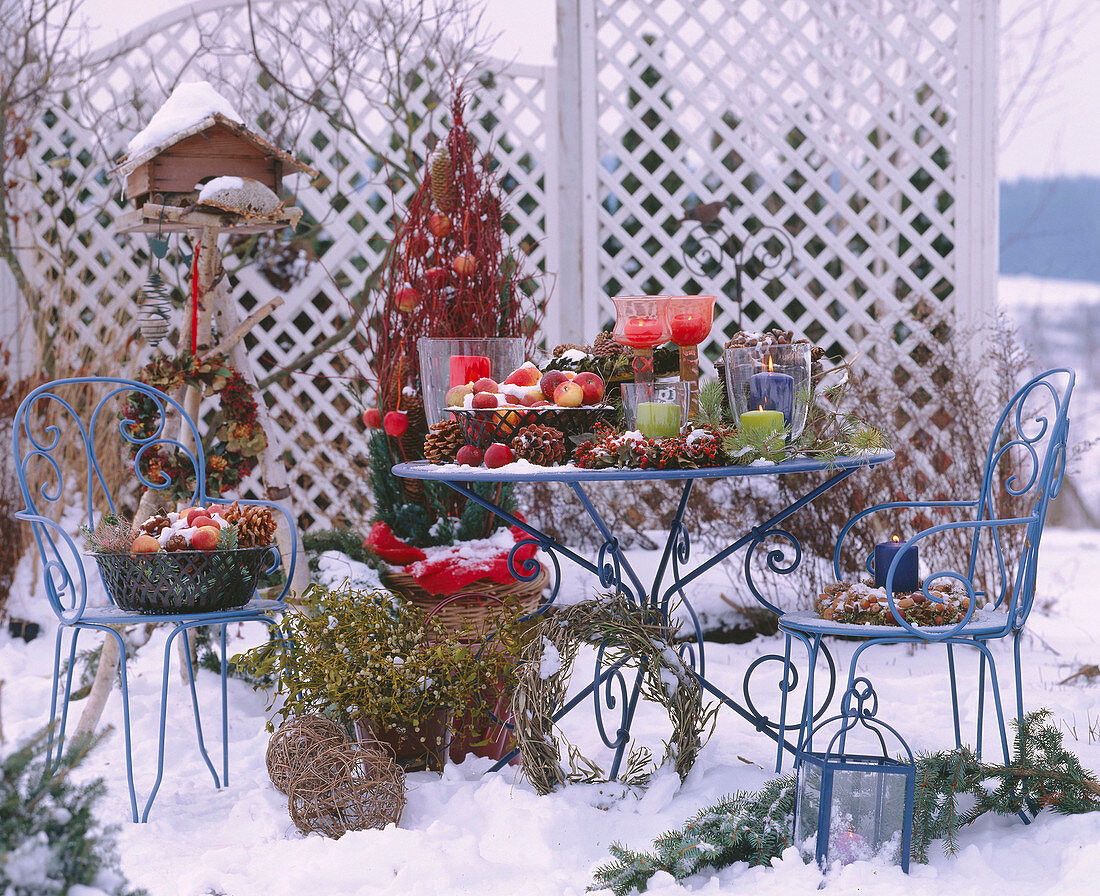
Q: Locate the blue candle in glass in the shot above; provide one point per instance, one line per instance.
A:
(771, 391)
(906, 578)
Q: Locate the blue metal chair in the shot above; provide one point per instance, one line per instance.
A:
(1023, 467)
(62, 431)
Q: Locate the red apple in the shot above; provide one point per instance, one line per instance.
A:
(456, 397)
(395, 423)
(202, 519)
(439, 225)
(527, 375)
(542, 404)
(372, 418)
(406, 298)
(219, 509)
(435, 278)
(485, 400)
(532, 398)
(592, 385)
(465, 264)
(469, 456)
(205, 539)
(486, 384)
(568, 395)
(145, 544)
(497, 455)
(193, 512)
(550, 381)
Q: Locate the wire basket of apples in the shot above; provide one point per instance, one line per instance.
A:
(488, 411)
(186, 561)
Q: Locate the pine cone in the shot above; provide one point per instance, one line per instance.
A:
(538, 444)
(442, 175)
(176, 543)
(255, 525)
(154, 525)
(412, 440)
(603, 346)
(443, 441)
(560, 350)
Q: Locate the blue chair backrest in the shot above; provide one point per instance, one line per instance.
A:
(62, 431)
(1023, 472)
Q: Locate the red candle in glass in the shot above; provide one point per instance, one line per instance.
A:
(643, 332)
(468, 368)
(689, 329)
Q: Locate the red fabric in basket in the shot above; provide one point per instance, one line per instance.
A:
(390, 548)
(449, 570)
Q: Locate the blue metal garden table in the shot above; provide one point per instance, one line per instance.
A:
(614, 571)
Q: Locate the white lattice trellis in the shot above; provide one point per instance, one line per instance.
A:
(353, 202)
(840, 135)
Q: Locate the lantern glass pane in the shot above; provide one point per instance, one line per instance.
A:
(866, 813)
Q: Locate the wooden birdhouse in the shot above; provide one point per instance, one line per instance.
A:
(193, 139)
(214, 147)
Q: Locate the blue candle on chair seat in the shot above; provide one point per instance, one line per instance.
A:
(906, 577)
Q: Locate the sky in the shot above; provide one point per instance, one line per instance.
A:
(1055, 132)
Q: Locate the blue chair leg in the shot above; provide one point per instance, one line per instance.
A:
(784, 688)
(981, 702)
(225, 707)
(954, 694)
(124, 689)
(55, 725)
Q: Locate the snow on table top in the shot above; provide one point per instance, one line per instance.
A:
(190, 103)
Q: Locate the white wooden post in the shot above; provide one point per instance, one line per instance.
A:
(574, 151)
(977, 231)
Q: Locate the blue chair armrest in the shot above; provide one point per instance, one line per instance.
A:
(955, 575)
(58, 574)
(291, 527)
(878, 508)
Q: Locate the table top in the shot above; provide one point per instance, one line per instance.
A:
(523, 472)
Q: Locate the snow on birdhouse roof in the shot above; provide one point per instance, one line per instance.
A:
(192, 108)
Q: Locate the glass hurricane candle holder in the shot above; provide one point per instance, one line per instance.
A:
(656, 410)
(690, 319)
(641, 323)
(770, 378)
(445, 363)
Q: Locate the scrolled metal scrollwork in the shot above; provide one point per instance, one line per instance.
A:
(774, 561)
(605, 696)
(788, 683)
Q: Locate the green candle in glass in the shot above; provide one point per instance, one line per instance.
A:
(658, 420)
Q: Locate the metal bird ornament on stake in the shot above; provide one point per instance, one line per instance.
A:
(154, 318)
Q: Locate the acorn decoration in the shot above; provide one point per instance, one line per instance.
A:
(443, 441)
(538, 444)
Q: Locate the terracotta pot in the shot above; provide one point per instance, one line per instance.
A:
(482, 734)
(413, 750)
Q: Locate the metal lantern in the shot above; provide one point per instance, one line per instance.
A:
(154, 316)
(851, 806)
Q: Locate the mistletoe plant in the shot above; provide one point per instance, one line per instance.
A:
(364, 657)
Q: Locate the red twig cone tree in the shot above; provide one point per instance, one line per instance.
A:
(450, 271)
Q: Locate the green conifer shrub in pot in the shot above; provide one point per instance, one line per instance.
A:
(377, 666)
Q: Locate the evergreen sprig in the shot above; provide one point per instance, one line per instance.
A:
(757, 827)
(48, 829)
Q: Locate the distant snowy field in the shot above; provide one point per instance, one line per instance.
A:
(475, 832)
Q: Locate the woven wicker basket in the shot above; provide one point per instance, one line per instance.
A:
(458, 614)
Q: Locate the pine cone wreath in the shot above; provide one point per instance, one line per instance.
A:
(443, 441)
(603, 346)
(538, 444)
(255, 525)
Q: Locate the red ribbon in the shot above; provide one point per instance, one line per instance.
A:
(195, 303)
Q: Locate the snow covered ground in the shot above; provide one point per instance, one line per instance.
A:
(473, 832)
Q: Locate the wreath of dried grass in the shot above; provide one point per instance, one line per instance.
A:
(627, 635)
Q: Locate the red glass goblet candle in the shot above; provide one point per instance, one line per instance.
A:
(689, 320)
(642, 323)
